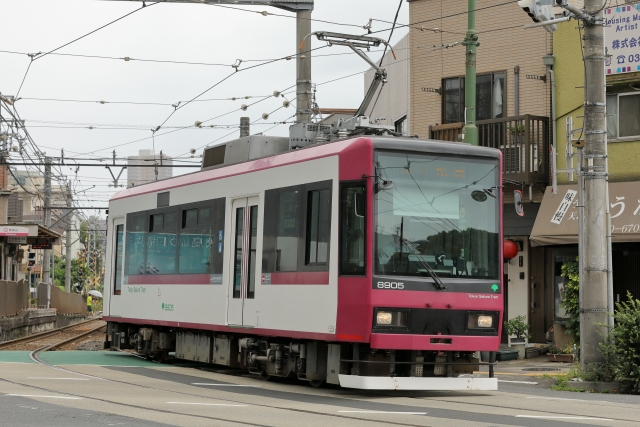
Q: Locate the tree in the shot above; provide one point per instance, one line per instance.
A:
(79, 272)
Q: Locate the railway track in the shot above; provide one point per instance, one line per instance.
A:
(56, 338)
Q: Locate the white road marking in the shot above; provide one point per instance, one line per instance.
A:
(205, 404)
(49, 378)
(560, 398)
(563, 418)
(384, 412)
(518, 382)
(225, 385)
(43, 396)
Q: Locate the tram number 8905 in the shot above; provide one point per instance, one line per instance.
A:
(390, 285)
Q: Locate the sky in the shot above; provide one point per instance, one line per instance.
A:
(176, 32)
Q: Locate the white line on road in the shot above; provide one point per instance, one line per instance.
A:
(563, 418)
(384, 412)
(49, 378)
(39, 395)
(205, 404)
(560, 398)
(518, 382)
(225, 385)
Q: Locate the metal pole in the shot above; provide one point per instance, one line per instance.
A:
(46, 262)
(594, 264)
(470, 131)
(245, 124)
(303, 68)
(68, 243)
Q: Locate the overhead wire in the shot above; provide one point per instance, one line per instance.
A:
(39, 55)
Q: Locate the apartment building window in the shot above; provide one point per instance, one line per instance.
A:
(623, 115)
(401, 125)
(490, 97)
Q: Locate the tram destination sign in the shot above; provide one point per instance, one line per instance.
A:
(622, 39)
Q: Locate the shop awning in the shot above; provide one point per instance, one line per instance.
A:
(557, 220)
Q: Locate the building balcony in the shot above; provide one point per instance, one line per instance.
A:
(523, 140)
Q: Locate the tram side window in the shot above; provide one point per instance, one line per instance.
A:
(161, 244)
(201, 239)
(282, 212)
(352, 229)
(117, 280)
(318, 226)
(136, 242)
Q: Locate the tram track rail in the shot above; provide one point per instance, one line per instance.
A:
(35, 356)
(54, 338)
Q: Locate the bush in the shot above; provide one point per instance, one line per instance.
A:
(622, 352)
(571, 297)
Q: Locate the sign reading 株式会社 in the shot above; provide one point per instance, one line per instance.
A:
(622, 39)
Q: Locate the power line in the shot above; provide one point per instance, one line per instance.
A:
(39, 55)
(97, 29)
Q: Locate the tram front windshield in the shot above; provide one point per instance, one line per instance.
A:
(438, 210)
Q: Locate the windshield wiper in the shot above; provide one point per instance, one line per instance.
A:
(436, 280)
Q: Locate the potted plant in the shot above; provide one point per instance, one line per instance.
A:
(518, 328)
(517, 131)
(557, 354)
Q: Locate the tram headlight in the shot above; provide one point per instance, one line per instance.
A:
(485, 321)
(384, 318)
(481, 320)
(391, 318)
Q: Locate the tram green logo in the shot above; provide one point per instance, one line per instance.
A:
(167, 307)
(494, 287)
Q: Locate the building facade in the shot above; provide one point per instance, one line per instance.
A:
(25, 205)
(556, 230)
(137, 175)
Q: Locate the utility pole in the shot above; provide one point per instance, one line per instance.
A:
(67, 267)
(470, 131)
(594, 263)
(46, 261)
(303, 66)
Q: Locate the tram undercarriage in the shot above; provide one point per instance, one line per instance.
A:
(352, 365)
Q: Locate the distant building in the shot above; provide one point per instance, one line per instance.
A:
(137, 175)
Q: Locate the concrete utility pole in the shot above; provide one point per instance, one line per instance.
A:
(67, 267)
(303, 66)
(470, 131)
(594, 263)
(46, 261)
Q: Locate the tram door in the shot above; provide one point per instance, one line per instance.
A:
(244, 223)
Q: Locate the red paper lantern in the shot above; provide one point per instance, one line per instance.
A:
(510, 249)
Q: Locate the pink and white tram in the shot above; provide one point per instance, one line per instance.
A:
(372, 263)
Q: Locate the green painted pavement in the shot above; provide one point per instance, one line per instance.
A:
(99, 358)
(15, 357)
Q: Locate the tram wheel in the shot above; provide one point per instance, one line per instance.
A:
(264, 376)
(316, 383)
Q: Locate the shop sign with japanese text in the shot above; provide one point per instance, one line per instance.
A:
(622, 39)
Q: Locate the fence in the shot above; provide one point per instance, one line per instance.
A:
(14, 296)
(63, 302)
(523, 140)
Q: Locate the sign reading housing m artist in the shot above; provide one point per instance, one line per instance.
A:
(622, 39)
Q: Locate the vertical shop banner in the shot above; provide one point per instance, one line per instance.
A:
(622, 39)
